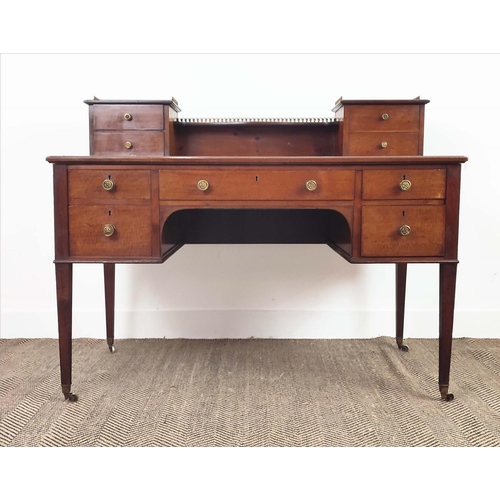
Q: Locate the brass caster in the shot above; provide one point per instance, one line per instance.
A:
(112, 348)
(403, 347)
(70, 396)
(447, 397)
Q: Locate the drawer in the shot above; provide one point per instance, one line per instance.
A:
(128, 117)
(131, 236)
(382, 117)
(372, 144)
(129, 144)
(411, 231)
(257, 185)
(108, 184)
(404, 184)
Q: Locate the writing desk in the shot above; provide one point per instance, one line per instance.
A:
(357, 183)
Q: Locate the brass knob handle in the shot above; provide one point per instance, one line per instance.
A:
(383, 144)
(128, 145)
(404, 230)
(203, 185)
(311, 185)
(108, 184)
(127, 116)
(108, 229)
(405, 184)
(385, 116)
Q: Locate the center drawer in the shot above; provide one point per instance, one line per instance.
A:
(258, 184)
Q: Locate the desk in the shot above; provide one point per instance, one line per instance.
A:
(138, 198)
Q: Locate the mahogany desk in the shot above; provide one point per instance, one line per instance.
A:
(357, 182)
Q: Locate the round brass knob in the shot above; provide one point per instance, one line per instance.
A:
(311, 185)
(203, 185)
(385, 116)
(404, 230)
(127, 116)
(108, 184)
(383, 144)
(128, 145)
(108, 229)
(405, 184)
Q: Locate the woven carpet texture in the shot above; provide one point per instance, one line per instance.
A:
(249, 393)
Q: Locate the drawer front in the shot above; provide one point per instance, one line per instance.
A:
(108, 184)
(412, 231)
(131, 236)
(381, 117)
(128, 117)
(129, 144)
(257, 185)
(383, 144)
(404, 184)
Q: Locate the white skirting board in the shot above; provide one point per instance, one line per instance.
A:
(196, 324)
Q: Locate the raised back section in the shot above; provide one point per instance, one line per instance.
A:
(359, 128)
(256, 138)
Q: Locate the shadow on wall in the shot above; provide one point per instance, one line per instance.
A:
(253, 268)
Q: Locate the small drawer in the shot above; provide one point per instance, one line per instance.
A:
(127, 117)
(261, 184)
(404, 184)
(412, 231)
(383, 144)
(109, 231)
(382, 117)
(129, 144)
(108, 185)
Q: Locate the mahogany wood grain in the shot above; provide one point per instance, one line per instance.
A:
(132, 234)
(370, 144)
(61, 226)
(143, 143)
(256, 140)
(385, 184)
(109, 300)
(401, 272)
(447, 285)
(128, 184)
(380, 236)
(263, 184)
(452, 210)
(142, 117)
(368, 118)
(64, 289)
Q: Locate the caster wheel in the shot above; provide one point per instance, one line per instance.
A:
(404, 348)
(449, 397)
(71, 397)
(111, 348)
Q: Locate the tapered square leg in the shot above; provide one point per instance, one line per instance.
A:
(400, 303)
(64, 287)
(447, 285)
(109, 295)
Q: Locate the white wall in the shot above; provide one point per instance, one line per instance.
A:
(302, 291)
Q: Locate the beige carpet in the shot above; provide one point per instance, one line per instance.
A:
(253, 392)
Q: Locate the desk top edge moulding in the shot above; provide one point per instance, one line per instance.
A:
(357, 181)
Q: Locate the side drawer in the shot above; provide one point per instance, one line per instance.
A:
(129, 144)
(128, 117)
(131, 233)
(411, 231)
(108, 184)
(404, 184)
(383, 144)
(259, 184)
(384, 117)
